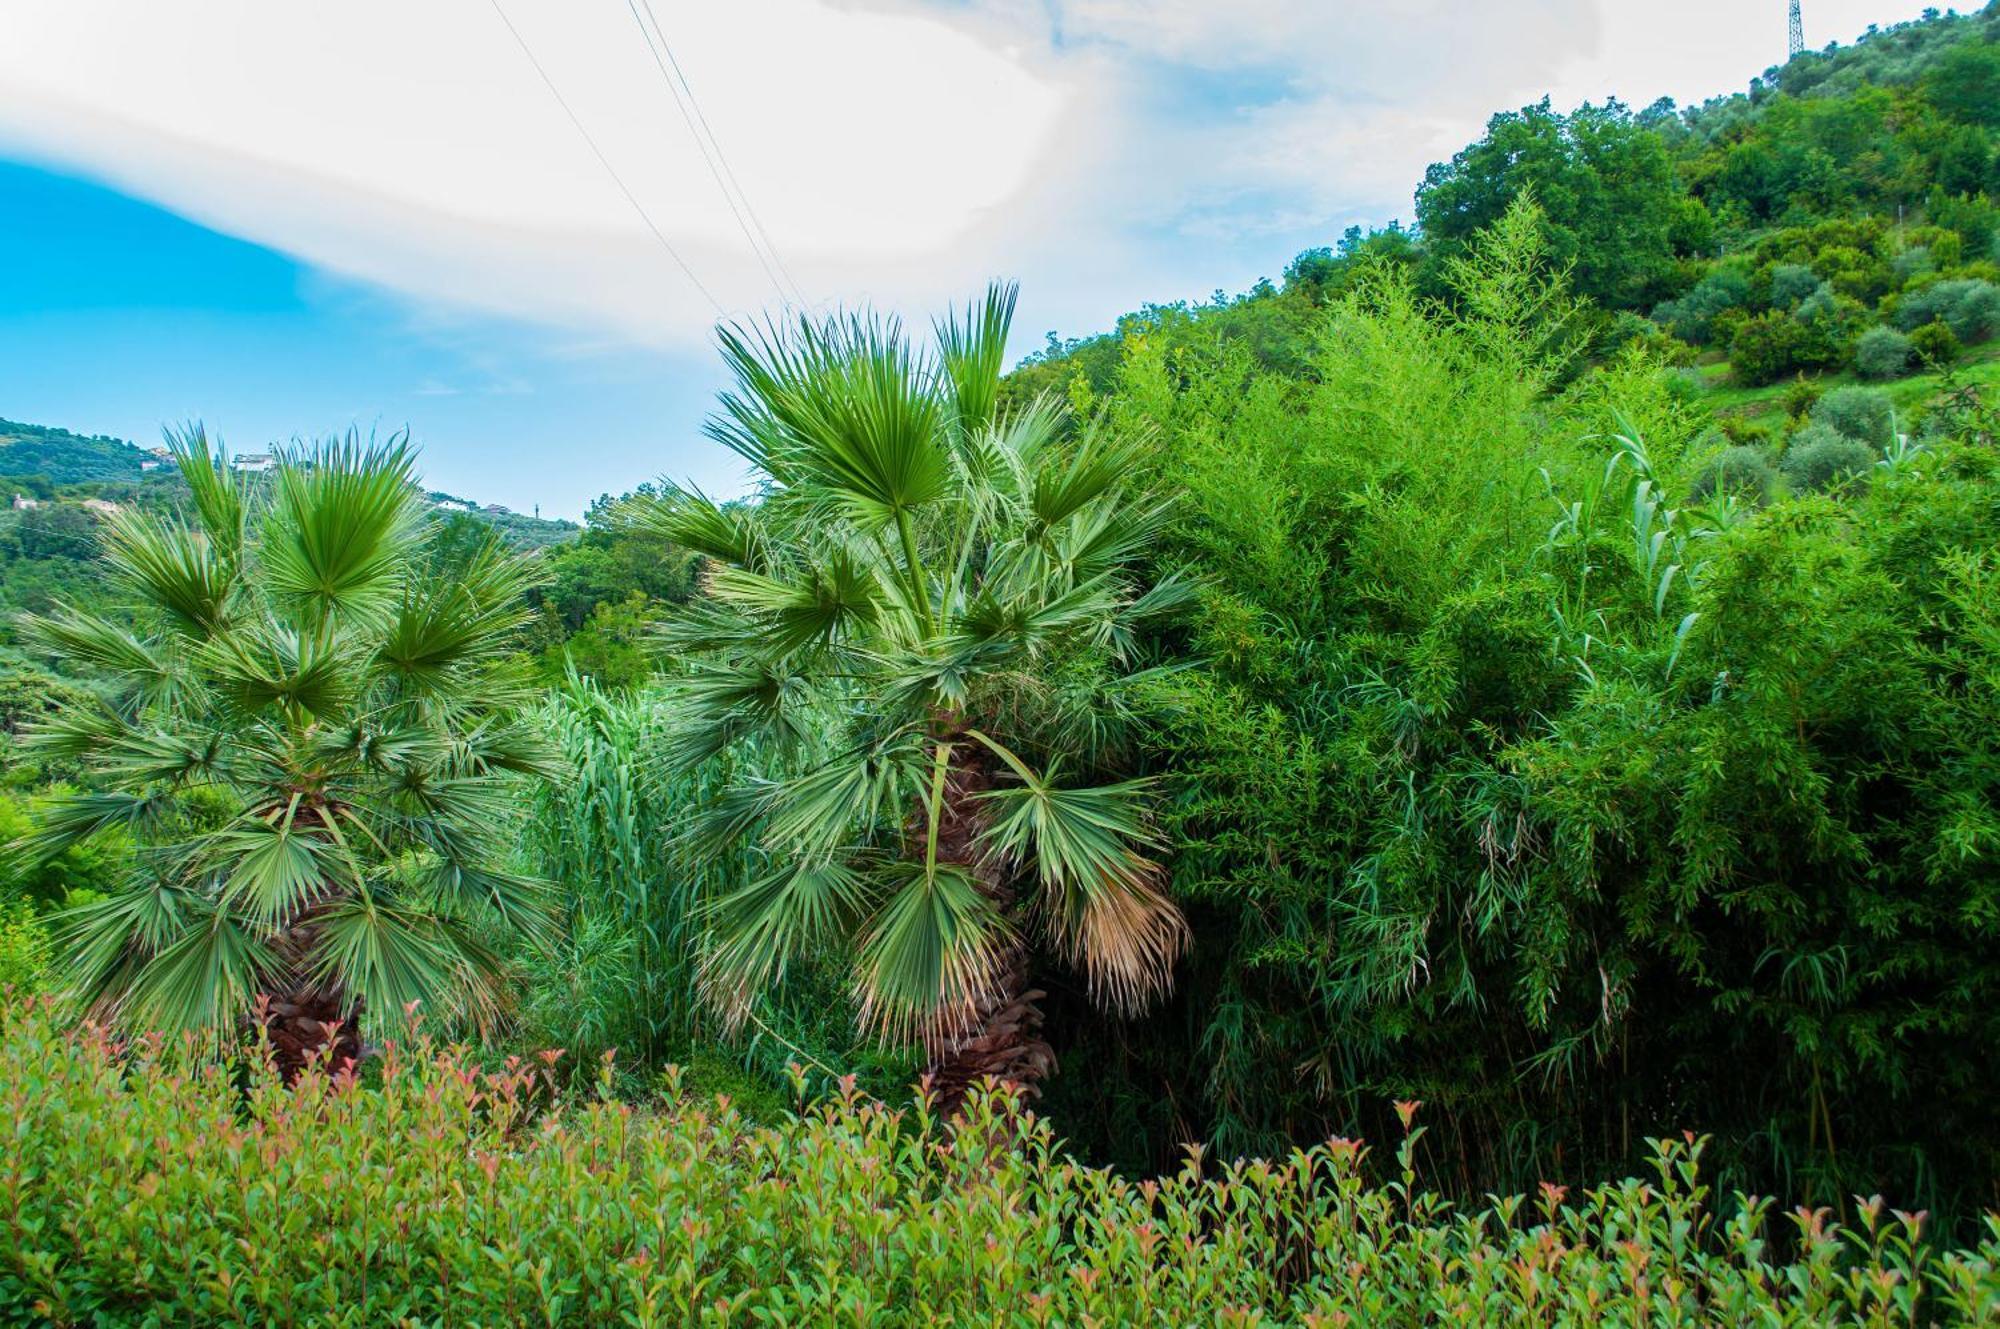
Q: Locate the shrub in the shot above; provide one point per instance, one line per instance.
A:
(1821, 456)
(1936, 344)
(24, 947)
(1791, 283)
(1748, 432)
(1883, 353)
(1741, 470)
(143, 1186)
(1684, 384)
(1801, 395)
(1768, 347)
(1695, 316)
(1864, 414)
(1913, 262)
(1969, 306)
(1976, 315)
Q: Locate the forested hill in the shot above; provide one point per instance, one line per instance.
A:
(56, 487)
(1836, 221)
(49, 464)
(60, 457)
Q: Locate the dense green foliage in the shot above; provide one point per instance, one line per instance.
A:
(448, 1195)
(35, 457)
(1525, 782)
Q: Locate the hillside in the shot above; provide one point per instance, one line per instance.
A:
(62, 458)
(1835, 221)
(51, 479)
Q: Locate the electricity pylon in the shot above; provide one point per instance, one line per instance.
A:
(1798, 32)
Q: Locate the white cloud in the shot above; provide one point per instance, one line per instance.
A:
(1108, 151)
(413, 145)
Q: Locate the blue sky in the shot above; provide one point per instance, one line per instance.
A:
(287, 220)
(117, 317)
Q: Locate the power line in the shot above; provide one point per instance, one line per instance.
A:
(605, 162)
(712, 153)
(721, 156)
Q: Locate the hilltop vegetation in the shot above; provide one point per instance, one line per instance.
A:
(38, 456)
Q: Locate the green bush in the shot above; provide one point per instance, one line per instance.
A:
(1883, 353)
(24, 947)
(1821, 456)
(1741, 470)
(1791, 283)
(143, 1185)
(1864, 414)
(1766, 348)
(1970, 307)
(1801, 395)
(1936, 344)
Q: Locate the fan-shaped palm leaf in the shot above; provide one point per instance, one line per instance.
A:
(345, 529)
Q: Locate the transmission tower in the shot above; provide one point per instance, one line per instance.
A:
(1798, 32)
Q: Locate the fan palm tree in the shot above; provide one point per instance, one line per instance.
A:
(312, 741)
(925, 628)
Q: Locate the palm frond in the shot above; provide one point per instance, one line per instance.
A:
(812, 815)
(390, 956)
(759, 929)
(65, 819)
(972, 348)
(143, 668)
(217, 492)
(136, 757)
(274, 870)
(719, 706)
(440, 631)
(929, 954)
(173, 568)
(269, 664)
(522, 902)
(1108, 536)
(693, 520)
(203, 979)
(1099, 894)
(833, 595)
(1065, 485)
(79, 731)
(345, 524)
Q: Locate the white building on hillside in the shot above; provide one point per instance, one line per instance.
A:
(154, 459)
(252, 462)
(22, 503)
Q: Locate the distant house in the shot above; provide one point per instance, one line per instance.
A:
(102, 505)
(22, 503)
(154, 459)
(252, 462)
(451, 505)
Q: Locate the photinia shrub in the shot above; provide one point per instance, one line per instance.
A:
(152, 1182)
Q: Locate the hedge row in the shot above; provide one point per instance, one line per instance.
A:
(145, 1184)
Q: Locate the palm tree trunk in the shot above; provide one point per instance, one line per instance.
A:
(1002, 1039)
(301, 1015)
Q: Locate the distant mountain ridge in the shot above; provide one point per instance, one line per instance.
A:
(43, 458)
(64, 458)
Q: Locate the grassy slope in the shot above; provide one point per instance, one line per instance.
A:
(1980, 367)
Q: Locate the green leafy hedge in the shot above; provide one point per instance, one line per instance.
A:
(145, 1184)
